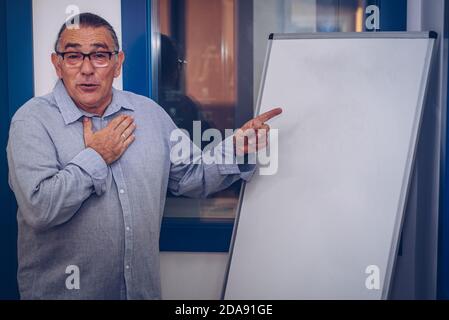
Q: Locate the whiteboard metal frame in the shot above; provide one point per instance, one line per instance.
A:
(411, 157)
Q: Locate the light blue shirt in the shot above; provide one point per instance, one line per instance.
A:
(74, 210)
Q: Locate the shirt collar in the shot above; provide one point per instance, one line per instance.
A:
(71, 113)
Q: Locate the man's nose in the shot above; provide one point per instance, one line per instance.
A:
(86, 67)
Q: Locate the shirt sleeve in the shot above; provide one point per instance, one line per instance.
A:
(202, 173)
(47, 194)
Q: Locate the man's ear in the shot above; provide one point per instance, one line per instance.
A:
(119, 64)
(57, 64)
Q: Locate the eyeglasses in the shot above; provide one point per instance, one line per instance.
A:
(99, 59)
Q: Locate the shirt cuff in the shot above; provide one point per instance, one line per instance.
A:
(247, 171)
(229, 163)
(93, 164)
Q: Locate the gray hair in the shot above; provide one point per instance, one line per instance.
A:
(89, 20)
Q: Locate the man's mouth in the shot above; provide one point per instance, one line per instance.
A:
(88, 86)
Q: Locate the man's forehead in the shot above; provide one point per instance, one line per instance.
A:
(87, 37)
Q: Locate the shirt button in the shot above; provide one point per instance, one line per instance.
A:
(127, 267)
(128, 229)
(122, 191)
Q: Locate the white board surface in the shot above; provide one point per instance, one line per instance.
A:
(332, 214)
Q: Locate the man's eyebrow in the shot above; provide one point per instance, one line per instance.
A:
(72, 45)
(100, 45)
(96, 45)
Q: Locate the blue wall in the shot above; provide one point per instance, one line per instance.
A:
(393, 14)
(16, 87)
(136, 42)
(443, 236)
(7, 224)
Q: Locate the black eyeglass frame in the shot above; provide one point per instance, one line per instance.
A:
(88, 55)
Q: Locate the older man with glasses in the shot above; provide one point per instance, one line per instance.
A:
(90, 167)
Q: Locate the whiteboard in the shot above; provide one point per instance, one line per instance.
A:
(327, 224)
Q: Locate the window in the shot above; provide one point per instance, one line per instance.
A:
(210, 57)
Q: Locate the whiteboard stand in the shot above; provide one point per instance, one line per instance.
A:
(333, 213)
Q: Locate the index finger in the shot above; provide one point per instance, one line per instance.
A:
(269, 115)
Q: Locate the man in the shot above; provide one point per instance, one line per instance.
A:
(90, 167)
